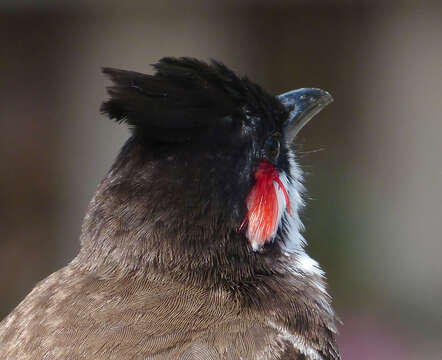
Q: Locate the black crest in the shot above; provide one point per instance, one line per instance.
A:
(183, 97)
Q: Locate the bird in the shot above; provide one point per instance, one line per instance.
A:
(192, 246)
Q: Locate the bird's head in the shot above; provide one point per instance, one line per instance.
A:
(216, 147)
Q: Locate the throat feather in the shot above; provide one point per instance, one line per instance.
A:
(265, 203)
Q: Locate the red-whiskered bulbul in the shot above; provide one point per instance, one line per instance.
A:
(191, 247)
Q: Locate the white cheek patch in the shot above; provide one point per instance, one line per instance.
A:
(291, 223)
(283, 207)
(292, 227)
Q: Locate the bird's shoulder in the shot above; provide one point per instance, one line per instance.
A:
(140, 318)
(74, 313)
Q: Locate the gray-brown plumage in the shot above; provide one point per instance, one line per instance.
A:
(169, 266)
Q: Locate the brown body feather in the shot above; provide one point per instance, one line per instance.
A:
(163, 272)
(77, 315)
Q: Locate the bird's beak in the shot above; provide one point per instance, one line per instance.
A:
(303, 105)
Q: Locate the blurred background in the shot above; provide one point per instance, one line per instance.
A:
(372, 158)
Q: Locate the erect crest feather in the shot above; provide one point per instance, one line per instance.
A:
(183, 97)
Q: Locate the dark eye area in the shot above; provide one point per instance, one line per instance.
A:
(272, 147)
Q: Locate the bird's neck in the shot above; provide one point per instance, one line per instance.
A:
(132, 234)
(141, 222)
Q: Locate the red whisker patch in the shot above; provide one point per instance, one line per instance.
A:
(264, 208)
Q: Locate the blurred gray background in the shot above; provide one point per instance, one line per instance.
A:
(373, 158)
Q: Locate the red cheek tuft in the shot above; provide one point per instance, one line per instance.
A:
(262, 204)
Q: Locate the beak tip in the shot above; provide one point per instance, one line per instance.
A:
(317, 96)
(327, 98)
(328, 95)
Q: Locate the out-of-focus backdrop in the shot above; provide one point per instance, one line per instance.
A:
(373, 158)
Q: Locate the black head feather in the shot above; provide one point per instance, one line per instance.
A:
(184, 98)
